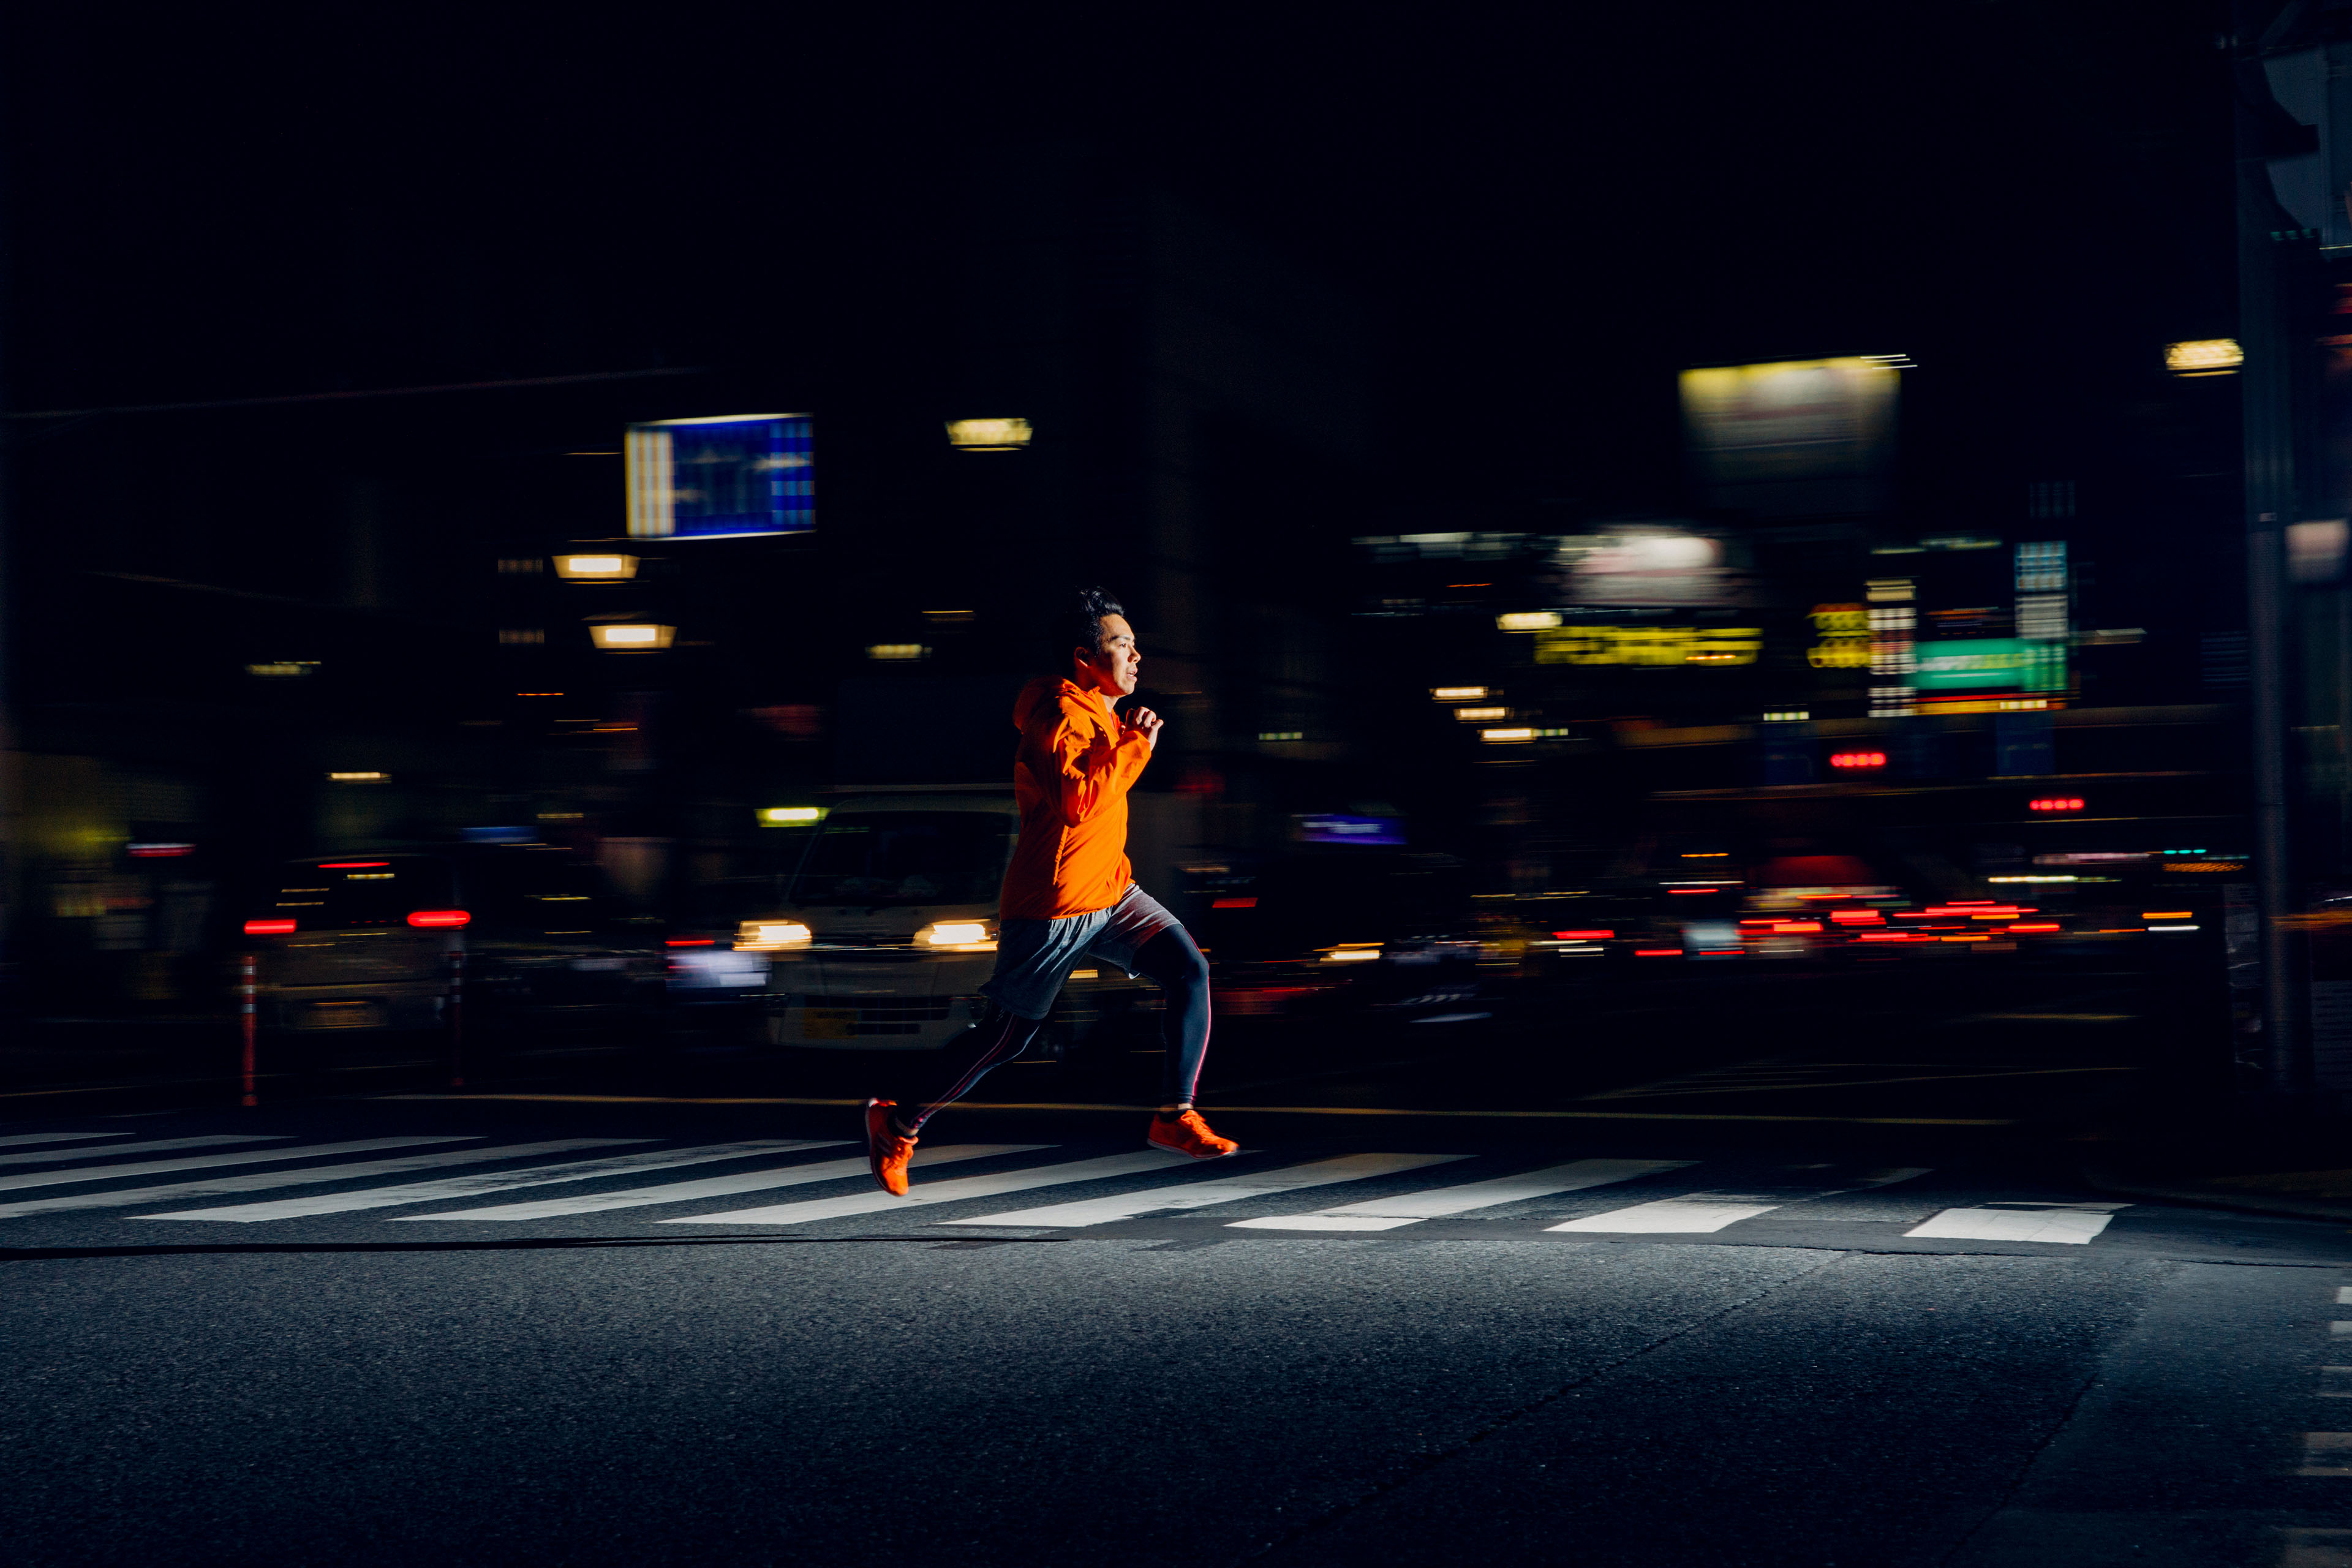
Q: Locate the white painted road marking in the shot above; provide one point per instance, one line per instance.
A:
(1687, 1215)
(14, 1139)
(2315, 1548)
(1412, 1208)
(2326, 1454)
(209, 1162)
(497, 1181)
(164, 1146)
(720, 1187)
(955, 1191)
(2075, 1223)
(1200, 1194)
(310, 1175)
(2343, 1295)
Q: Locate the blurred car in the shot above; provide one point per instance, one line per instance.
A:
(882, 937)
(714, 984)
(1379, 934)
(367, 942)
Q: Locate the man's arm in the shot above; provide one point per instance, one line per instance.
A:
(1093, 770)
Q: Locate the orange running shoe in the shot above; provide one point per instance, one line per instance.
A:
(886, 1150)
(1186, 1133)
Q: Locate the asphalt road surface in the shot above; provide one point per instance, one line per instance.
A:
(1777, 1273)
(551, 1328)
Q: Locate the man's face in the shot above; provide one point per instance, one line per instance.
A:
(1112, 668)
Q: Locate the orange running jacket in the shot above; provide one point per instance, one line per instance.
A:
(1070, 776)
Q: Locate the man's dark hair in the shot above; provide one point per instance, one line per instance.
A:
(1080, 624)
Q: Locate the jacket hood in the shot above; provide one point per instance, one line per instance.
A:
(1038, 692)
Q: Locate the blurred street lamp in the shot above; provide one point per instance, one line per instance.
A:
(789, 815)
(987, 434)
(632, 638)
(596, 568)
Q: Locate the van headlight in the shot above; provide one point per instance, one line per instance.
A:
(772, 933)
(969, 935)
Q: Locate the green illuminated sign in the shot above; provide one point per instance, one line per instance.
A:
(1989, 662)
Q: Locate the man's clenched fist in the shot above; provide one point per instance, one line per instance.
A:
(1144, 720)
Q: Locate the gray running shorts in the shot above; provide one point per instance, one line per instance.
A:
(1034, 957)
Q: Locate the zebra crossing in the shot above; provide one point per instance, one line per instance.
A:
(442, 1179)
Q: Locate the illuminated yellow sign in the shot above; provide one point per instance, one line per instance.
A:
(987, 434)
(1844, 631)
(1654, 646)
(2205, 356)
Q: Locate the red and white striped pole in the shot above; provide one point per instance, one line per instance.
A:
(246, 1021)
(458, 1019)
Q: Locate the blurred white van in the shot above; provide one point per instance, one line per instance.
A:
(883, 937)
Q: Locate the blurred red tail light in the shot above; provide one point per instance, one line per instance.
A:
(269, 928)
(1582, 935)
(438, 919)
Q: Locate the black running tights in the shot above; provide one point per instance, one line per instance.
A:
(1169, 960)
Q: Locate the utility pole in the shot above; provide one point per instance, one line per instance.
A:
(2267, 383)
(14, 883)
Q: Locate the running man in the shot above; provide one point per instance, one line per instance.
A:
(1070, 893)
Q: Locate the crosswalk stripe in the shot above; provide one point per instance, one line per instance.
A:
(13, 1139)
(1200, 1194)
(164, 1146)
(965, 1187)
(310, 1175)
(720, 1187)
(1668, 1215)
(204, 1161)
(1412, 1208)
(497, 1181)
(2075, 1223)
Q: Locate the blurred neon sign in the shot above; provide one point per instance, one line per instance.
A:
(721, 479)
(1324, 828)
(1844, 631)
(1658, 647)
(1990, 662)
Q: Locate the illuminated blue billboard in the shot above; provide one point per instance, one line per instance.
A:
(721, 479)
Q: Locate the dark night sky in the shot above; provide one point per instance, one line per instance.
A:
(1550, 211)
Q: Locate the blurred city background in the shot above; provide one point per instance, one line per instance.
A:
(1774, 509)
